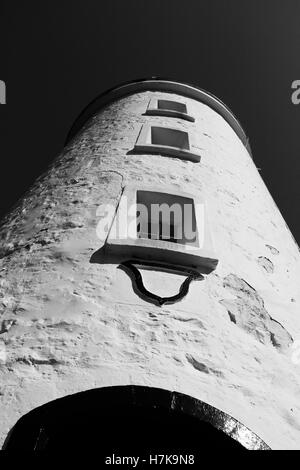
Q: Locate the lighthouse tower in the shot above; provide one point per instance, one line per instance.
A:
(149, 287)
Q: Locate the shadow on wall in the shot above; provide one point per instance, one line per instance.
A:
(130, 419)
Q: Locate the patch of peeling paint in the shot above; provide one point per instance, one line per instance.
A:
(248, 312)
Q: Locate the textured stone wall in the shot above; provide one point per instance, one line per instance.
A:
(68, 325)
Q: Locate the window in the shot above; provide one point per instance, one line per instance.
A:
(169, 138)
(161, 107)
(166, 141)
(168, 228)
(172, 106)
(167, 217)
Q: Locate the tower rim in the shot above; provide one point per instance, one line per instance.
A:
(164, 85)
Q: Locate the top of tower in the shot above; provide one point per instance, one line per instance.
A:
(160, 84)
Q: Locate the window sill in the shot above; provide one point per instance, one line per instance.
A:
(168, 113)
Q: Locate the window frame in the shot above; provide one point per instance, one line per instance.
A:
(154, 110)
(143, 144)
(200, 258)
(154, 224)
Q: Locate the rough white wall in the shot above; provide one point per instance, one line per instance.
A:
(68, 325)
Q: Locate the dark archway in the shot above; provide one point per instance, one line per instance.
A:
(129, 420)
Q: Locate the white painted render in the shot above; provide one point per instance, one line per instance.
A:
(68, 325)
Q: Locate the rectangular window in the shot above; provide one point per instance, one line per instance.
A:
(166, 141)
(169, 108)
(161, 225)
(166, 217)
(172, 106)
(169, 138)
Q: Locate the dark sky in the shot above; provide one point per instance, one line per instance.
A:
(56, 56)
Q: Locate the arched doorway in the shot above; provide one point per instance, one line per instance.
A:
(130, 420)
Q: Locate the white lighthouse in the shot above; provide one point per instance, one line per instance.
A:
(149, 286)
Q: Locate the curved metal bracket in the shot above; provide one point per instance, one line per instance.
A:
(130, 267)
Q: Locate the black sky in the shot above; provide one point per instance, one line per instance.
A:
(56, 56)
